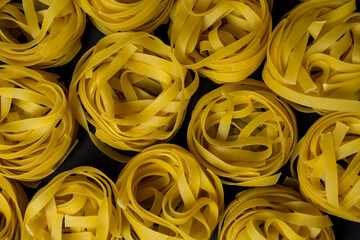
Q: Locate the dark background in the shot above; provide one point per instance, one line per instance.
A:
(85, 153)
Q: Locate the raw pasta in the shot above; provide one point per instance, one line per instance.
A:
(165, 194)
(243, 133)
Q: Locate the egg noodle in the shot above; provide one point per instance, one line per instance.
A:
(275, 212)
(131, 88)
(111, 16)
(329, 164)
(224, 40)
(243, 133)
(165, 194)
(313, 57)
(13, 202)
(40, 33)
(37, 128)
(76, 204)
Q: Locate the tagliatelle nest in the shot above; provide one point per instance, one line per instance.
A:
(13, 202)
(165, 194)
(37, 128)
(40, 34)
(313, 57)
(111, 16)
(224, 40)
(243, 133)
(329, 165)
(132, 89)
(275, 212)
(76, 204)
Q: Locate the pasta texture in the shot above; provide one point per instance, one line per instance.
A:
(243, 133)
(275, 212)
(165, 194)
(13, 202)
(37, 128)
(224, 40)
(313, 57)
(111, 16)
(329, 164)
(131, 88)
(76, 204)
(40, 34)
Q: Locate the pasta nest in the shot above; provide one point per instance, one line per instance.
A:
(13, 202)
(165, 194)
(111, 16)
(274, 212)
(329, 164)
(76, 204)
(224, 40)
(40, 33)
(313, 57)
(37, 128)
(131, 88)
(243, 133)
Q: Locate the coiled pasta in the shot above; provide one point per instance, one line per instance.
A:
(313, 57)
(13, 202)
(132, 89)
(39, 33)
(111, 16)
(224, 40)
(329, 164)
(76, 204)
(243, 133)
(165, 194)
(275, 212)
(37, 128)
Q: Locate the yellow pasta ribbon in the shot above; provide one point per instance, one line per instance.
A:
(131, 88)
(40, 33)
(313, 57)
(275, 212)
(224, 40)
(243, 133)
(13, 202)
(329, 165)
(37, 128)
(111, 16)
(76, 204)
(165, 194)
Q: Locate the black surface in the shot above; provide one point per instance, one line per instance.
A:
(85, 153)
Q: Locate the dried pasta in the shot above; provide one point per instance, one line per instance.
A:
(76, 204)
(328, 166)
(111, 16)
(131, 88)
(165, 194)
(37, 128)
(313, 57)
(224, 40)
(13, 201)
(275, 212)
(243, 133)
(40, 33)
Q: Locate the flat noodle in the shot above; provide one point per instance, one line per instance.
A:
(165, 194)
(13, 201)
(313, 57)
(37, 128)
(40, 34)
(224, 40)
(132, 89)
(76, 204)
(275, 212)
(111, 16)
(243, 133)
(329, 165)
